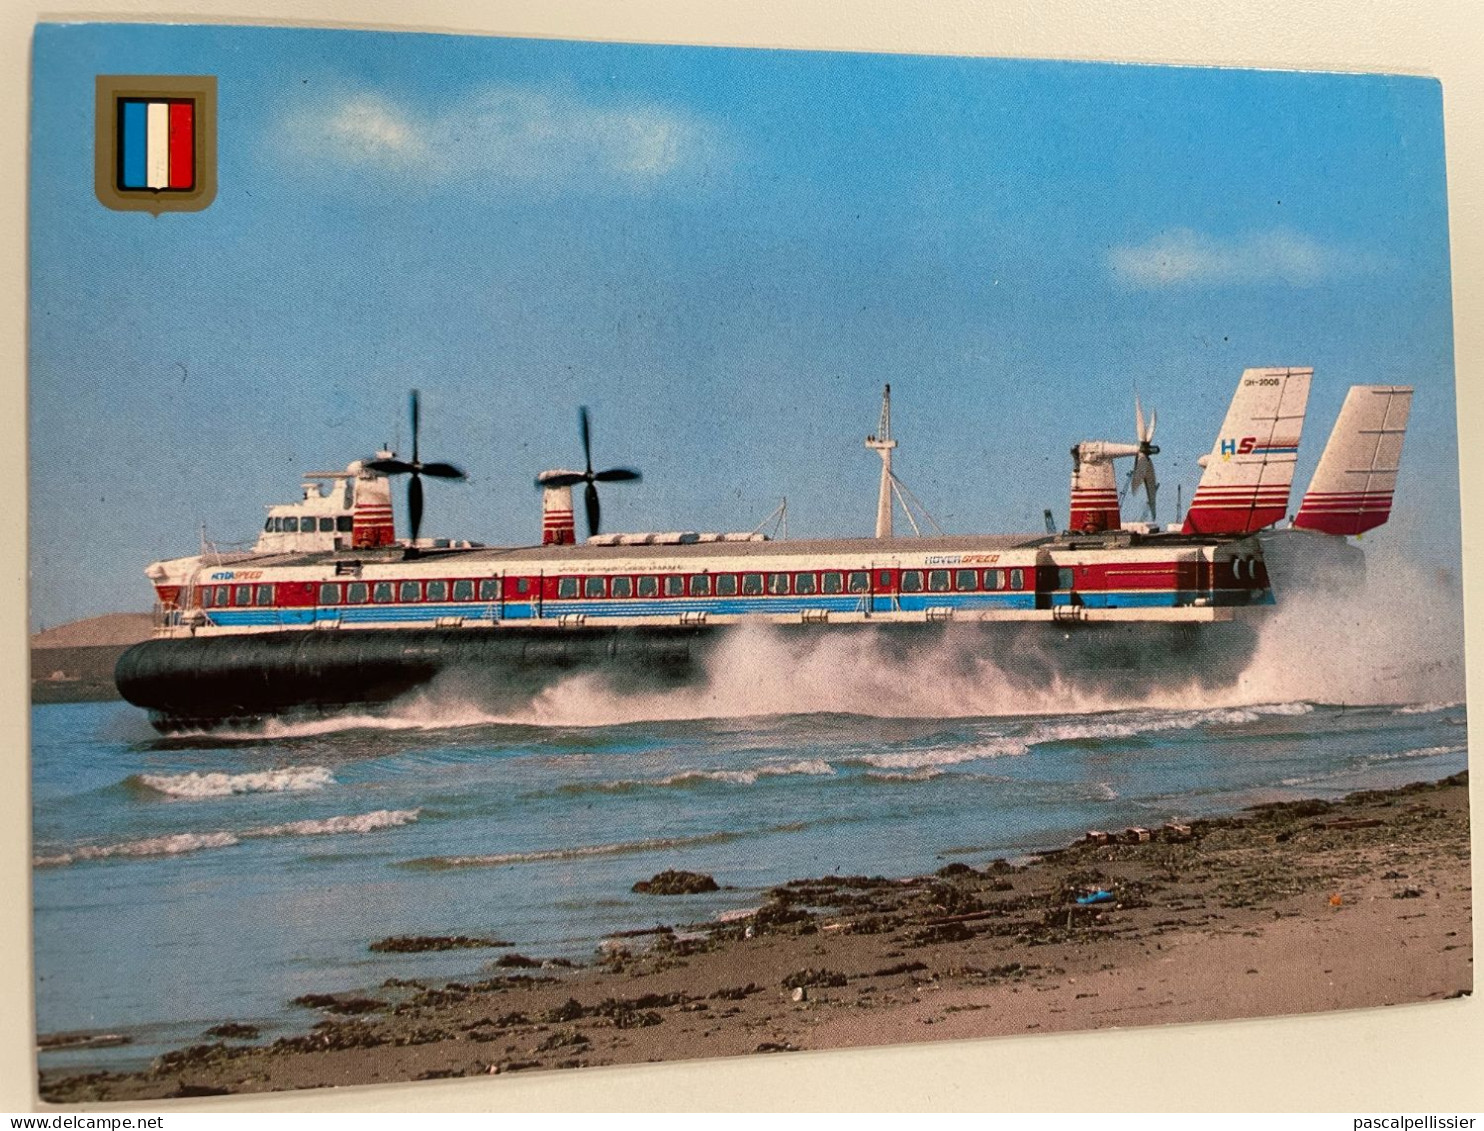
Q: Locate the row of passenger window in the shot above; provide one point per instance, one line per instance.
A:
(307, 525)
(785, 584)
(830, 582)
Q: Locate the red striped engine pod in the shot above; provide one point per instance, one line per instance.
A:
(1094, 512)
(558, 527)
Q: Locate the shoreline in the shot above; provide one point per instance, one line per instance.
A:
(1292, 907)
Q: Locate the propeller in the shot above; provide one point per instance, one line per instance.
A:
(589, 476)
(1142, 474)
(416, 469)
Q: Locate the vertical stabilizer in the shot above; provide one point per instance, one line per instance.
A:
(1249, 471)
(1353, 485)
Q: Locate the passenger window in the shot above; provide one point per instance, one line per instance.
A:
(206, 597)
(242, 595)
(522, 587)
(1017, 579)
(566, 587)
(329, 594)
(382, 593)
(291, 526)
(860, 581)
(411, 591)
(265, 595)
(674, 587)
(463, 590)
(778, 584)
(327, 526)
(883, 579)
(223, 595)
(489, 588)
(356, 593)
(648, 586)
(344, 524)
(700, 585)
(804, 584)
(966, 580)
(938, 581)
(912, 581)
(752, 584)
(268, 527)
(726, 585)
(593, 587)
(623, 587)
(833, 583)
(437, 591)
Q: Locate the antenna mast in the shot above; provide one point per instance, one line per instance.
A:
(882, 444)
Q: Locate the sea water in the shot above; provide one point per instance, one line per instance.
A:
(182, 882)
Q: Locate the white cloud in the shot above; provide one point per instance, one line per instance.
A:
(498, 133)
(1185, 258)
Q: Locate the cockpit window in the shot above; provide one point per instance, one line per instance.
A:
(268, 527)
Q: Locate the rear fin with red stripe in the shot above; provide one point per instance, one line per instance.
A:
(1353, 486)
(1249, 472)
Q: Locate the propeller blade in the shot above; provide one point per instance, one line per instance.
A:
(1139, 420)
(1153, 423)
(414, 425)
(569, 480)
(415, 505)
(442, 471)
(1153, 489)
(389, 466)
(587, 442)
(594, 512)
(616, 475)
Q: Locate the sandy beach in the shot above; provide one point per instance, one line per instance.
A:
(1289, 908)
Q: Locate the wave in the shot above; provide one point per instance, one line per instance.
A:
(581, 852)
(941, 756)
(177, 843)
(1420, 752)
(1428, 708)
(685, 779)
(195, 786)
(1121, 727)
(925, 773)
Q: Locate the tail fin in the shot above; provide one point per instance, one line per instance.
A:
(1250, 470)
(1353, 485)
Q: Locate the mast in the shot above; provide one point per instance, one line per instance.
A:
(882, 444)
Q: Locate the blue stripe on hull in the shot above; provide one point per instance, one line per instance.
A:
(659, 608)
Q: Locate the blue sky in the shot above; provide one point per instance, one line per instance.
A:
(724, 253)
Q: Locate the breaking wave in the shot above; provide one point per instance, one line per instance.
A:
(177, 843)
(619, 848)
(686, 779)
(1429, 708)
(195, 785)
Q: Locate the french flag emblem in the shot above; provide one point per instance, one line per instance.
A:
(157, 144)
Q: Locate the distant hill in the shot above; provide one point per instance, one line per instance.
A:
(74, 662)
(113, 628)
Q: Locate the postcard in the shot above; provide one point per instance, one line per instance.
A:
(552, 554)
